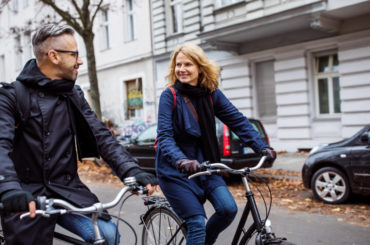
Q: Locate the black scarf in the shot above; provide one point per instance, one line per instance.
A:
(206, 115)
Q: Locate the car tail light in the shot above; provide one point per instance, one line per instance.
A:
(226, 141)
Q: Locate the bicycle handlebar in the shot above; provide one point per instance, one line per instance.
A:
(212, 168)
(47, 206)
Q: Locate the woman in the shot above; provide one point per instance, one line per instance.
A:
(187, 136)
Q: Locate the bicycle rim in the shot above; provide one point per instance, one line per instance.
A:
(162, 226)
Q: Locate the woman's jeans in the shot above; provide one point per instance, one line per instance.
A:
(224, 204)
(83, 227)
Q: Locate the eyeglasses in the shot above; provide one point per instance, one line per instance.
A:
(75, 53)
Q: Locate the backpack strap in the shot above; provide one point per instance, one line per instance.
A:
(191, 107)
(174, 98)
(173, 108)
(23, 100)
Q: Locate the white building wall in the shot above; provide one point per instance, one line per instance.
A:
(297, 124)
(123, 59)
(354, 58)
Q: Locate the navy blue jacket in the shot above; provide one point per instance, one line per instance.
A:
(178, 138)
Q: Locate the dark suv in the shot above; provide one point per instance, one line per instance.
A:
(233, 152)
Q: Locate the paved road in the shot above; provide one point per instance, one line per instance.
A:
(301, 228)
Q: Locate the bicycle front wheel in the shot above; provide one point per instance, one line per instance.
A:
(163, 226)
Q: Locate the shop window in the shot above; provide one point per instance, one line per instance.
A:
(134, 97)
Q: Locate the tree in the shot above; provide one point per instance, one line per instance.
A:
(82, 20)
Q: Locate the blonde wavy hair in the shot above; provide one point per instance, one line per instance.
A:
(209, 71)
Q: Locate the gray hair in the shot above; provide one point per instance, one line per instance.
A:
(46, 31)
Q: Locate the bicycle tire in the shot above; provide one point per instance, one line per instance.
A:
(161, 226)
(2, 238)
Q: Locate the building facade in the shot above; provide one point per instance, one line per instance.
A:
(300, 66)
(123, 52)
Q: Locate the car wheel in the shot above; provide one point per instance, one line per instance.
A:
(330, 185)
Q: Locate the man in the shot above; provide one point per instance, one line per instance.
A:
(39, 156)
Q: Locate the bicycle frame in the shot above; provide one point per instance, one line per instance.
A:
(250, 206)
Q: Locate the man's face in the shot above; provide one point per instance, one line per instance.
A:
(65, 47)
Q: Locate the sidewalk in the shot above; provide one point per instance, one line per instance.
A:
(292, 161)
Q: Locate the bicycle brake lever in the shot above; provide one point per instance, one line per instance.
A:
(200, 173)
(41, 212)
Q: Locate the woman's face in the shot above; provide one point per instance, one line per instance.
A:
(185, 70)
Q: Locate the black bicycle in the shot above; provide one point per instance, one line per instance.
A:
(48, 207)
(260, 228)
(163, 226)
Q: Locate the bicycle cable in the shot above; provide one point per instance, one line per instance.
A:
(118, 219)
(267, 210)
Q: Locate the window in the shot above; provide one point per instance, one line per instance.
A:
(327, 86)
(2, 68)
(130, 34)
(27, 46)
(105, 29)
(25, 3)
(175, 18)
(134, 97)
(265, 88)
(18, 53)
(15, 6)
(223, 3)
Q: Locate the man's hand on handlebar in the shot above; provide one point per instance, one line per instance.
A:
(19, 201)
(148, 180)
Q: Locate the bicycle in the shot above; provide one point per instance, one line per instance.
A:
(262, 228)
(161, 225)
(48, 207)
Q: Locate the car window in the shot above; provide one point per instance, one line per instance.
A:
(256, 127)
(148, 135)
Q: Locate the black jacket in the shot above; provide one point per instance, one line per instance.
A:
(40, 155)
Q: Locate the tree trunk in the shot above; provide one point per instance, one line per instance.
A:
(91, 67)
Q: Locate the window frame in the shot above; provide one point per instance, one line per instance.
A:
(254, 67)
(329, 75)
(130, 20)
(220, 4)
(104, 25)
(171, 18)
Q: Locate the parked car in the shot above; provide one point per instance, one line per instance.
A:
(336, 170)
(233, 152)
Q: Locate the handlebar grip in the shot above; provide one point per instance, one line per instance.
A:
(145, 190)
(204, 166)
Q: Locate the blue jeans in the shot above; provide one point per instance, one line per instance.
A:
(225, 207)
(83, 227)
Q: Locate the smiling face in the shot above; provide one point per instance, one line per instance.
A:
(67, 62)
(186, 71)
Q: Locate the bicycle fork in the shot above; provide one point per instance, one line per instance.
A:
(250, 206)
